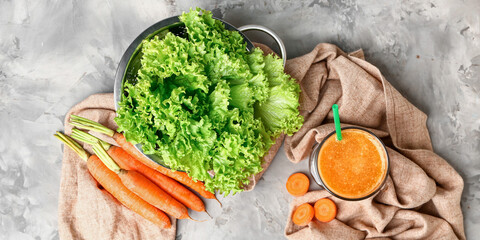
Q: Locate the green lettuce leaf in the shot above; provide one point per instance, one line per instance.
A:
(207, 106)
(279, 113)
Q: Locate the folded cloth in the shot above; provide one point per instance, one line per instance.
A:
(86, 211)
(421, 198)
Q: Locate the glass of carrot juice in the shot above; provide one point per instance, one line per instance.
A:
(353, 168)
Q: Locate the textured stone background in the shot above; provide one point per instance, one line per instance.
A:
(55, 53)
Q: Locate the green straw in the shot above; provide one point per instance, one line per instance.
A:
(336, 119)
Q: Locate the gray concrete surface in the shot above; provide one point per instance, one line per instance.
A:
(55, 53)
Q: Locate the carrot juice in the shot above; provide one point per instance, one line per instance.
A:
(353, 167)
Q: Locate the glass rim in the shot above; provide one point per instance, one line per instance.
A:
(313, 165)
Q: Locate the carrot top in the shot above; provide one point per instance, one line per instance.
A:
(298, 184)
(325, 210)
(73, 145)
(303, 214)
(106, 159)
(88, 124)
(79, 135)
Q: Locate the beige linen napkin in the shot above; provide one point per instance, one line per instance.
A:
(85, 211)
(421, 198)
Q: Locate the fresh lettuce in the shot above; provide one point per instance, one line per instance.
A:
(206, 105)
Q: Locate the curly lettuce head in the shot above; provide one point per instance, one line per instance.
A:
(208, 106)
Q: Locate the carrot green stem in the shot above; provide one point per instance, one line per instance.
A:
(336, 119)
(88, 124)
(73, 145)
(106, 159)
(79, 135)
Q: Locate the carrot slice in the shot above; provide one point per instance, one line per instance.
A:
(297, 184)
(325, 210)
(303, 214)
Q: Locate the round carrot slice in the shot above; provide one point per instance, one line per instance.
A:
(297, 184)
(325, 210)
(303, 214)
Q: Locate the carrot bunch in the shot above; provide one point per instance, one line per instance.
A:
(134, 180)
(113, 184)
(181, 177)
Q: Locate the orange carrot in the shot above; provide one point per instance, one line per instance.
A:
(151, 193)
(172, 187)
(297, 184)
(143, 187)
(325, 210)
(303, 214)
(112, 184)
(181, 177)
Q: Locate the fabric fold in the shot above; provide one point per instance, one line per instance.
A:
(421, 197)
